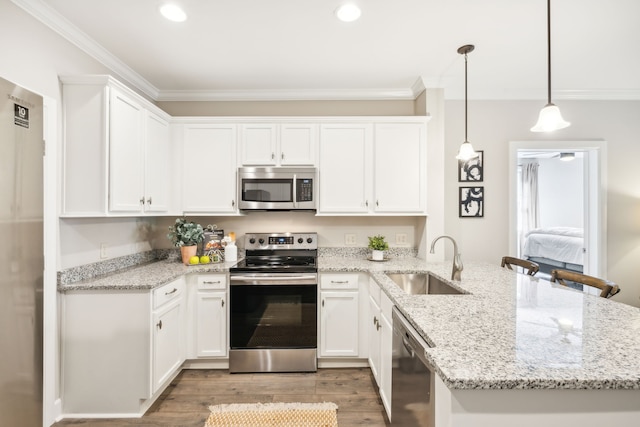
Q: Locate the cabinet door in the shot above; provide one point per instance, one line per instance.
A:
(126, 165)
(209, 168)
(298, 144)
(259, 144)
(374, 339)
(156, 164)
(339, 324)
(345, 168)
(211, 324)
(386, 348)
(167, 338)
(400, 167)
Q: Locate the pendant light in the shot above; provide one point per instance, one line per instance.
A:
(550, 118)
(466, 151)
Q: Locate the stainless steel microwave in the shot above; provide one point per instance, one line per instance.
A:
(280, 189)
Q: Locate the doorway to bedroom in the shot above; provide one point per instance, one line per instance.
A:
(558, 205)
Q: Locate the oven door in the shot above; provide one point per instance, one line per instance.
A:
(273, 311)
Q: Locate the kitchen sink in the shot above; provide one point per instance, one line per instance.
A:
(422, 284)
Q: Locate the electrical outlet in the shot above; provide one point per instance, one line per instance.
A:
(401, 239)
(103, 250)
(350, 239)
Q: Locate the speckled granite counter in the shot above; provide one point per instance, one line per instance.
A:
(145, 276)
(512, 331)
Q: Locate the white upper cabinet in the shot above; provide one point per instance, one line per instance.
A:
(209, 168)
(345, 168)
(373, 168)
(272, 144)
(115, 144)
(400, 167)
(126, 154)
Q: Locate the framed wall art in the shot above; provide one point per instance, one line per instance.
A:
(471, 202)
(471, 170)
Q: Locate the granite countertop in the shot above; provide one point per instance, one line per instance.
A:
(509, 331)
(513, 331)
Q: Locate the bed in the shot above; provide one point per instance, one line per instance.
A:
(555, 248)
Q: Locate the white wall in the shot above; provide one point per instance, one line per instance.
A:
(561, 192)
(492, 124)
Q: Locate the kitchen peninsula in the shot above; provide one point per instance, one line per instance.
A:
(512, 350)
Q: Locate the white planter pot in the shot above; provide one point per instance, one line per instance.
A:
(377, 255)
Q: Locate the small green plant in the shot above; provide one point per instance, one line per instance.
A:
(185, 233)
(377, 243)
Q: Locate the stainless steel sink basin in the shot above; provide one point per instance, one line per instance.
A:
(422, 284)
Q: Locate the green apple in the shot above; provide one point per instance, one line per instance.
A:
(204, 259)
(194, 260)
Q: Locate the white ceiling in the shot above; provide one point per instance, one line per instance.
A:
(297, 49)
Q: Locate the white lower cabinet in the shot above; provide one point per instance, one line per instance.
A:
(380, 341)
(341, 331)
(119, 347)
(167, 354)
(211, 316)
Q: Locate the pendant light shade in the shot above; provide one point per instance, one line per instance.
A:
(466, 151)
(550, 118)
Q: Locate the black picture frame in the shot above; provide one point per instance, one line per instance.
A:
(471, 170)
(471, 202)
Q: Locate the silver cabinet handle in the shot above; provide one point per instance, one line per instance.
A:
(378, 326)
(209, 282)
(222, 302)
(339, 282)
(366, 203)
(149, 200)
(171, 292)
(142, 200)
(233, 203)
(159, 325)
(377, 203)
(273, 156)
(375, 320)
(323, 303)
(282, 156)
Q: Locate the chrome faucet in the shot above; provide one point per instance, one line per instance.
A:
(457, 260)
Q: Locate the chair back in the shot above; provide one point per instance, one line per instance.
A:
(530, 267)
(607, 288)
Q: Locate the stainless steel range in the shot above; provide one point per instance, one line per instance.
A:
(273, 304)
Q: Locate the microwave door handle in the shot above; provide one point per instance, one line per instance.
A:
(295, 192)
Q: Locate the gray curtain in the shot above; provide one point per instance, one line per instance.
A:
(529, 206)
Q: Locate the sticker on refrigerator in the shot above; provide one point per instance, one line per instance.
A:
(21, 116)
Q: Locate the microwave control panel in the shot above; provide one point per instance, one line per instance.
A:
(304, 190)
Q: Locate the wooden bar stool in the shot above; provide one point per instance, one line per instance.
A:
(530, 266)
(607, 288)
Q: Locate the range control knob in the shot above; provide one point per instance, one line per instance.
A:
(252, 240)
(300, 240)
(309, 240)
(261, 241)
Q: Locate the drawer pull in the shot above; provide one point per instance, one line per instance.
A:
(171, 292)
(339, 282)
(209, 282)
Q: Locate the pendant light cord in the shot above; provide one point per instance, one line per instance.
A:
(465, 97)
(548, 51)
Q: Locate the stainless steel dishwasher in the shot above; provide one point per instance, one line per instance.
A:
(412, 377)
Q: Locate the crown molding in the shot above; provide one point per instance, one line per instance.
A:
(288, 95)
(52, 19)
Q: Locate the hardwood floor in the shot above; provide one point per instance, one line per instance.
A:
(185, 402)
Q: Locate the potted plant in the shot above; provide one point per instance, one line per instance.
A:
(186, 235)
(378, 245)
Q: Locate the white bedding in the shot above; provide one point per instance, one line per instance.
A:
(563, 244)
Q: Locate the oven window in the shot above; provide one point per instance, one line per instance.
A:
(273, 316)
(267, 190)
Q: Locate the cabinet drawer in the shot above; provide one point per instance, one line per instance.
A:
(339, 281)
(168, 292)
(212, 281)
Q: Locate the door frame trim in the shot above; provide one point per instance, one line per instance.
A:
(595, 182)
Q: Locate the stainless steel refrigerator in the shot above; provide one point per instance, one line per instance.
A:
(21, 256)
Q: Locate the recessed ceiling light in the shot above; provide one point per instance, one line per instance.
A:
(173, 13)
(348, 12)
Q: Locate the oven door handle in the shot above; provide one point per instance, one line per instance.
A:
(274, 280)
